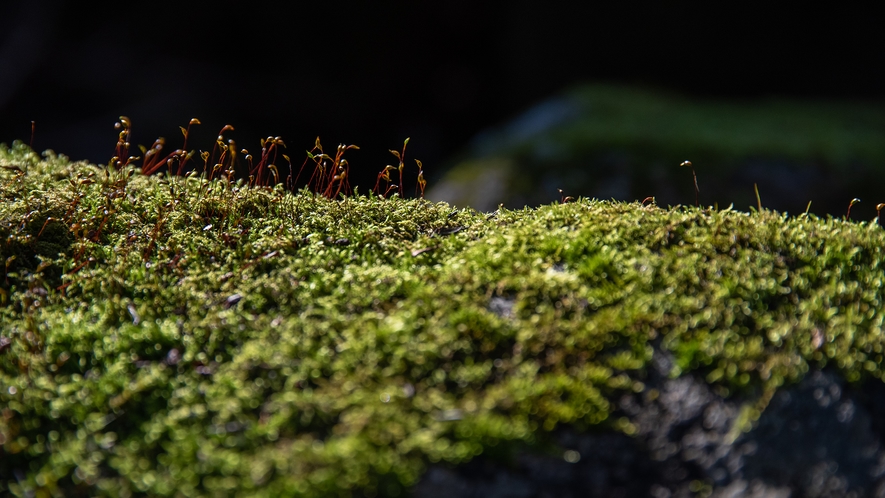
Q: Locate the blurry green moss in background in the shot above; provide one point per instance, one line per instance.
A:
(626, 143)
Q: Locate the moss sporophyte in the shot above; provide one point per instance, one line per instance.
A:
(182, 334)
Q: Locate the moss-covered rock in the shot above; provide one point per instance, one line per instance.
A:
(195, 339)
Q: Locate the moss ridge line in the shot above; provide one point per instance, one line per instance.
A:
(172, 336)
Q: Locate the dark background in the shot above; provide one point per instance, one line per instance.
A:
(374, 72)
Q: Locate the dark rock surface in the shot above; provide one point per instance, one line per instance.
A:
(819, 438)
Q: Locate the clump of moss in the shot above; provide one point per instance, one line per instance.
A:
(190, 338)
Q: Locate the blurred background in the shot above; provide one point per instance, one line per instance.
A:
(505, 102)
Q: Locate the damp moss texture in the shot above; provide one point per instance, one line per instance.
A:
(167, 336)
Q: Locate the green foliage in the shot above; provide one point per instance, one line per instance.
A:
(172, 336)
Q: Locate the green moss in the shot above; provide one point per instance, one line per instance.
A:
(837, 133)
(179, 338)
(624, 142)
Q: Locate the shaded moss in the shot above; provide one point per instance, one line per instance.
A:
(624, 143)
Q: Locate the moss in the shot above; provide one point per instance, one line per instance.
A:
(213, 339)
(622, 142)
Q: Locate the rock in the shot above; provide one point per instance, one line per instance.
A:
(819, 438)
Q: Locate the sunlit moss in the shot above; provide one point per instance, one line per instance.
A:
(259, 342)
